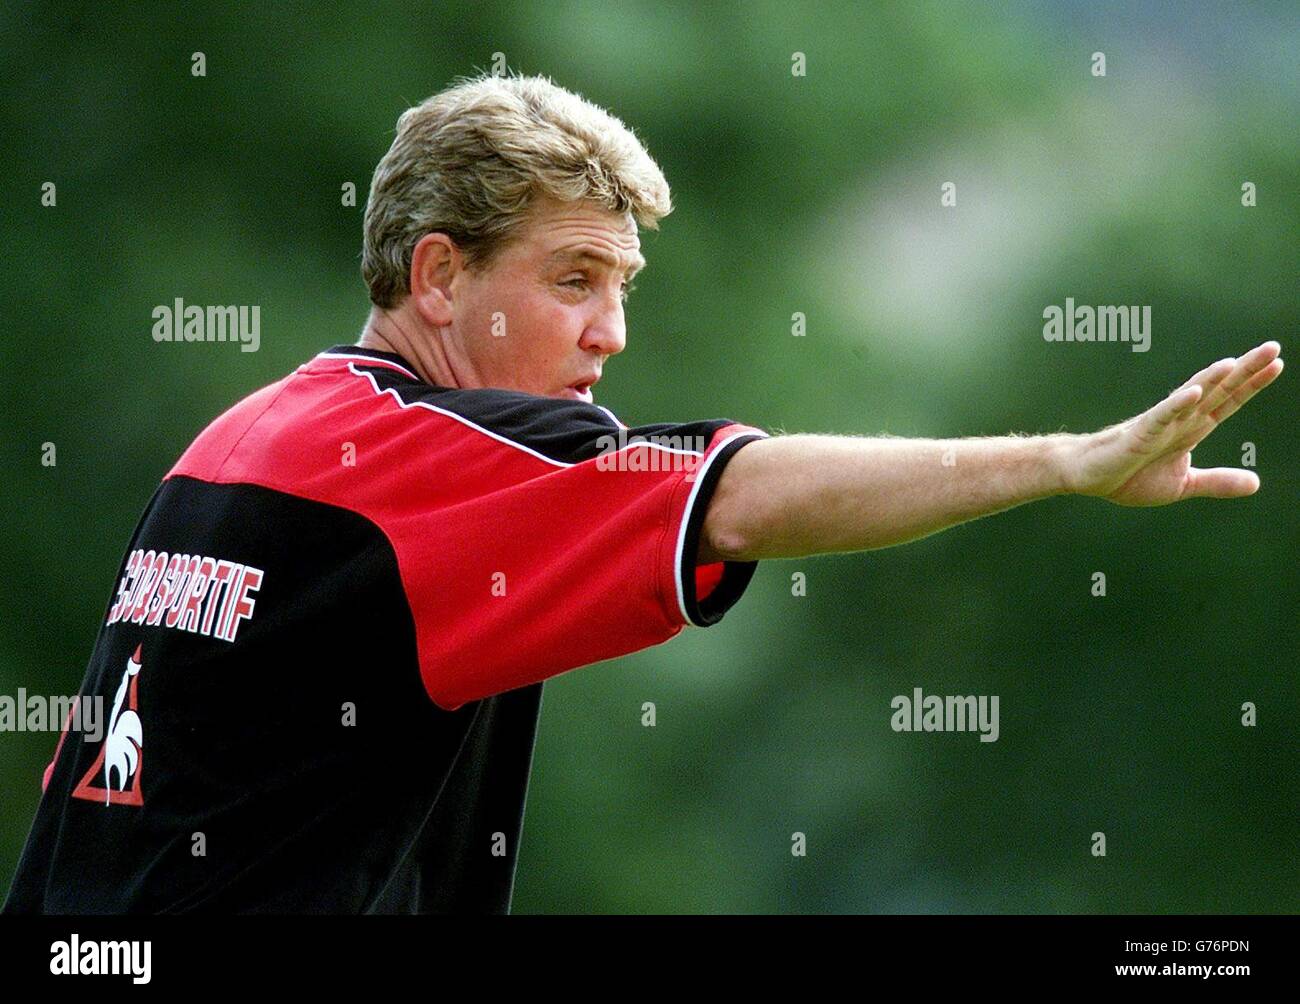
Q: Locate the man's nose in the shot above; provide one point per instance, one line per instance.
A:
(606, 332)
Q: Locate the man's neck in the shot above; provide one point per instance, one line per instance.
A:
(389, 331)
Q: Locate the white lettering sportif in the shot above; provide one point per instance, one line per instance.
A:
(189, 592)
(102, 958)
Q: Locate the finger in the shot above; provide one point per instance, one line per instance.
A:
(1219, 372)
(1252, 387)
(1176, 405)
(1220, 483)
(1212, 374)
(1247, 366)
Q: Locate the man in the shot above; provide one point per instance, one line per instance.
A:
(325, 651)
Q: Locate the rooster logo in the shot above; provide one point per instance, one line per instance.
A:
(122, 755)
(125, 733)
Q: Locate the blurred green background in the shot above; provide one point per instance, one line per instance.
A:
(816, 194)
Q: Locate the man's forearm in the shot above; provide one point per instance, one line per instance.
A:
(790, 496)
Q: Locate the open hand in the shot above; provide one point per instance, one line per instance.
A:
(1147, 460)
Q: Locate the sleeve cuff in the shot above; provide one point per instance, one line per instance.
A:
(703, 612)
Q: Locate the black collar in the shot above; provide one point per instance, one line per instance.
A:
(357, 350)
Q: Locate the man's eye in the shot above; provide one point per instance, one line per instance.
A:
(626, 290)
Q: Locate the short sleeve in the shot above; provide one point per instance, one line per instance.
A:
(557, 538)
(530, 535)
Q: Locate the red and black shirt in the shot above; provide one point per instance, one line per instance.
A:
(322, 661)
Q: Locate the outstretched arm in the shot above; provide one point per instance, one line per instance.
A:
(789, 496)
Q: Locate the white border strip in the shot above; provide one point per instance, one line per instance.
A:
(613, 418)
(510, 442)
(679, 570)
(451, 414)
(371, 360)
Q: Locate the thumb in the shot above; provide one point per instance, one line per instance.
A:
(1220, 483)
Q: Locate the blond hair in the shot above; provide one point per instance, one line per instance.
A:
(470, 160)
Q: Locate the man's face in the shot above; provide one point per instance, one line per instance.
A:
(548, 311)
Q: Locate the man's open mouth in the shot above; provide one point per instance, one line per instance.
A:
(581, 391)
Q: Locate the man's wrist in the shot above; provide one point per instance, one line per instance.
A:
(1061, 459)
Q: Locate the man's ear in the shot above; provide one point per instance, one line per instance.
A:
(434, 263)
